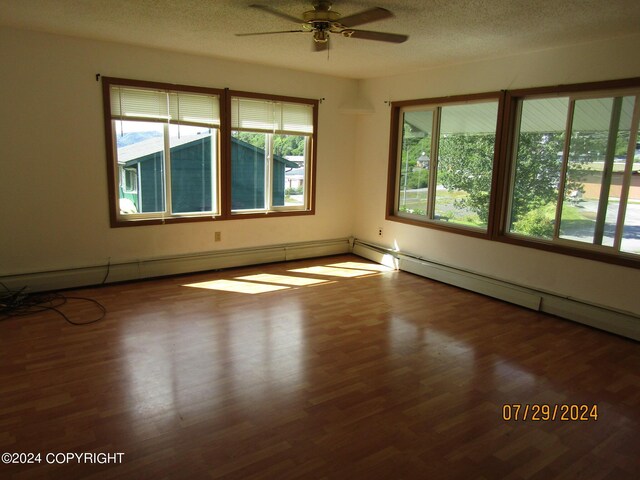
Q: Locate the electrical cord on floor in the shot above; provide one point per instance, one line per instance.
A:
(17, 303)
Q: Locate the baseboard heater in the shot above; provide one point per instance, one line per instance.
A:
(172, 265)
(622, 323)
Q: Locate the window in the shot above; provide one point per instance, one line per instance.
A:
(575, 171)
(169, 159)
(445, 157)
(166, 148)
(553, 168)
(270, 155)
(129, 179)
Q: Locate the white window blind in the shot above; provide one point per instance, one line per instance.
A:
(271, 116)
(162, 106)
(194, 108)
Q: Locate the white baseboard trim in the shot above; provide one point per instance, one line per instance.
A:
(621, 323)
(172, 265)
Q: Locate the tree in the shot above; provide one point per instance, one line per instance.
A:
(538, 168)
(288, 145)
(282, 144)
(465, 163)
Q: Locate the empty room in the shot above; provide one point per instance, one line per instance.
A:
(367, 239)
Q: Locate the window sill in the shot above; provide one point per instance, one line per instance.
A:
(235, 215)
(588, 251)
(441, 225)
(140, 222)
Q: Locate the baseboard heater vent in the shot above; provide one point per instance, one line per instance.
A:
(471, 282)
(621, 323)
(173, 265)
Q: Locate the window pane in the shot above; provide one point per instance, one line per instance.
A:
(140, 149)
(129, 180)
(595, 169)
(538, 165)
(413, 176)
(248, 162)
(465, 163)
(631, 230)
(193, 168)
(289, 167)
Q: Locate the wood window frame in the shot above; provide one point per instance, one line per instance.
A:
(575, 249)
(503, 167)
(311, 170)
(224, 155)
(394, 161)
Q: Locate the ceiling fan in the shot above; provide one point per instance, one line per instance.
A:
(322, 21)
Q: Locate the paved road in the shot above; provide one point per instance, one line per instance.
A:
(631, 234)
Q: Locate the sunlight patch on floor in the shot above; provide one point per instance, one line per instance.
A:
(362, 266)
(282, 279)
(237, 287)
(333, 271)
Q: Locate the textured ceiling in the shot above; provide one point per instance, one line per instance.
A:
(441, 32)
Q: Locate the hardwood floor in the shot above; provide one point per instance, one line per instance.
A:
(367, 375)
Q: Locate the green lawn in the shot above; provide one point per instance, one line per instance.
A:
(416, 202)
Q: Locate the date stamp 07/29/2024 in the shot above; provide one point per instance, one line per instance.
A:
(540, 412)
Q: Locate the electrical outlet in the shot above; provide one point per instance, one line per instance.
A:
(379, 231)
(217, 236)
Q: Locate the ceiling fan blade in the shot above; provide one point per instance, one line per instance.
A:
(379, 36)
(269, 33)
(365, 17)
(278, 13)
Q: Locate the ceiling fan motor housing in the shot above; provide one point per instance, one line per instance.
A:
(315, 16)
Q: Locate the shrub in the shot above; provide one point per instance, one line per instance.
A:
(535, 223)
(294, 191)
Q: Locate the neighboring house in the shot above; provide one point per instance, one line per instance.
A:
(294, 177)
(142, 176)
(297, 159)
(592, 185)
(247, 176)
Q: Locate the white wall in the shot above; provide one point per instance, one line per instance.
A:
(586, 280)
(53, 186)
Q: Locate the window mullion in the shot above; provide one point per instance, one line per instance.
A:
(167, 170)
(268, 194)
(607, 174)
(626, 181)
(512, 164)
(433, 164)
(400, 201)
(307, 171)
(564, 169)
(215, 168)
